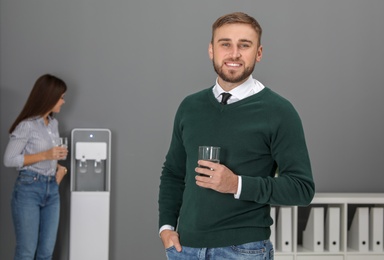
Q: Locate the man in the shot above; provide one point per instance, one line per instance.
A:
(227, 215)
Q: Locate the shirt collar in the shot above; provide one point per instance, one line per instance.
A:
(249, 87)
(40, 119)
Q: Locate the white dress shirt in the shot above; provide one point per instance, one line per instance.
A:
(250, 87)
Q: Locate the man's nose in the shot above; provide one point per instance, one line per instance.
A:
(235, 53)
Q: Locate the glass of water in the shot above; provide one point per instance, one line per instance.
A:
(62, 142)
(209, 153)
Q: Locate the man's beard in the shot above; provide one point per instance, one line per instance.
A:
(231, 78)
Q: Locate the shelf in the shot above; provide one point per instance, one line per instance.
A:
(335, 226)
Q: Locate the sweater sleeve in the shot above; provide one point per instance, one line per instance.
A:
(294, 185)
(172, 178)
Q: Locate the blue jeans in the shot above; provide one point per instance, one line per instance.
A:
(35, 211)
(261, 250)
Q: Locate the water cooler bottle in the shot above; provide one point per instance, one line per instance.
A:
(90, 194)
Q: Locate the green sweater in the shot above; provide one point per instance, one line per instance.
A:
(256, 135)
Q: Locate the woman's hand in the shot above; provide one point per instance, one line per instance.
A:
(61, 172)
(57, 153)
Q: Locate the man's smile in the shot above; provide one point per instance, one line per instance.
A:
(233, 64)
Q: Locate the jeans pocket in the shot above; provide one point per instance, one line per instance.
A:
(171, 248)
(26, 179)
(254, 248)
(271, 254)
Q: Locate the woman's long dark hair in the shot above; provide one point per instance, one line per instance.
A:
(44, 95)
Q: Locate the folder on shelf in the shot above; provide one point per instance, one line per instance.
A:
(376, 219)
(332, 229)
(313, 235)
(284, 230)
(358, 234)
(272, 238)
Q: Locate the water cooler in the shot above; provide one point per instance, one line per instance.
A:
(90, 194)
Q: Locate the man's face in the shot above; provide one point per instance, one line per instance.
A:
(234, 53)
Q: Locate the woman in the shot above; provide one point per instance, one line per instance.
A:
(33, 151)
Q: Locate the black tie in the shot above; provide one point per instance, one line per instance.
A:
(225, 97)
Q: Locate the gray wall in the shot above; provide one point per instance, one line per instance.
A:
(128, 64)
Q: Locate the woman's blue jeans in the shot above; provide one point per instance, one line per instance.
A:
(261, 250)
(35, 211)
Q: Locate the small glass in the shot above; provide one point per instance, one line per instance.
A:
(62, 142)
(209, 153)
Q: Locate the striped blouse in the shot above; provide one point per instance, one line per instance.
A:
(32, 136)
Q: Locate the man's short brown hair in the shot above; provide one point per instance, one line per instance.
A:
(237, 17)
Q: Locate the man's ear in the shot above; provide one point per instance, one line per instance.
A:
(259, 53)
(210, 51)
